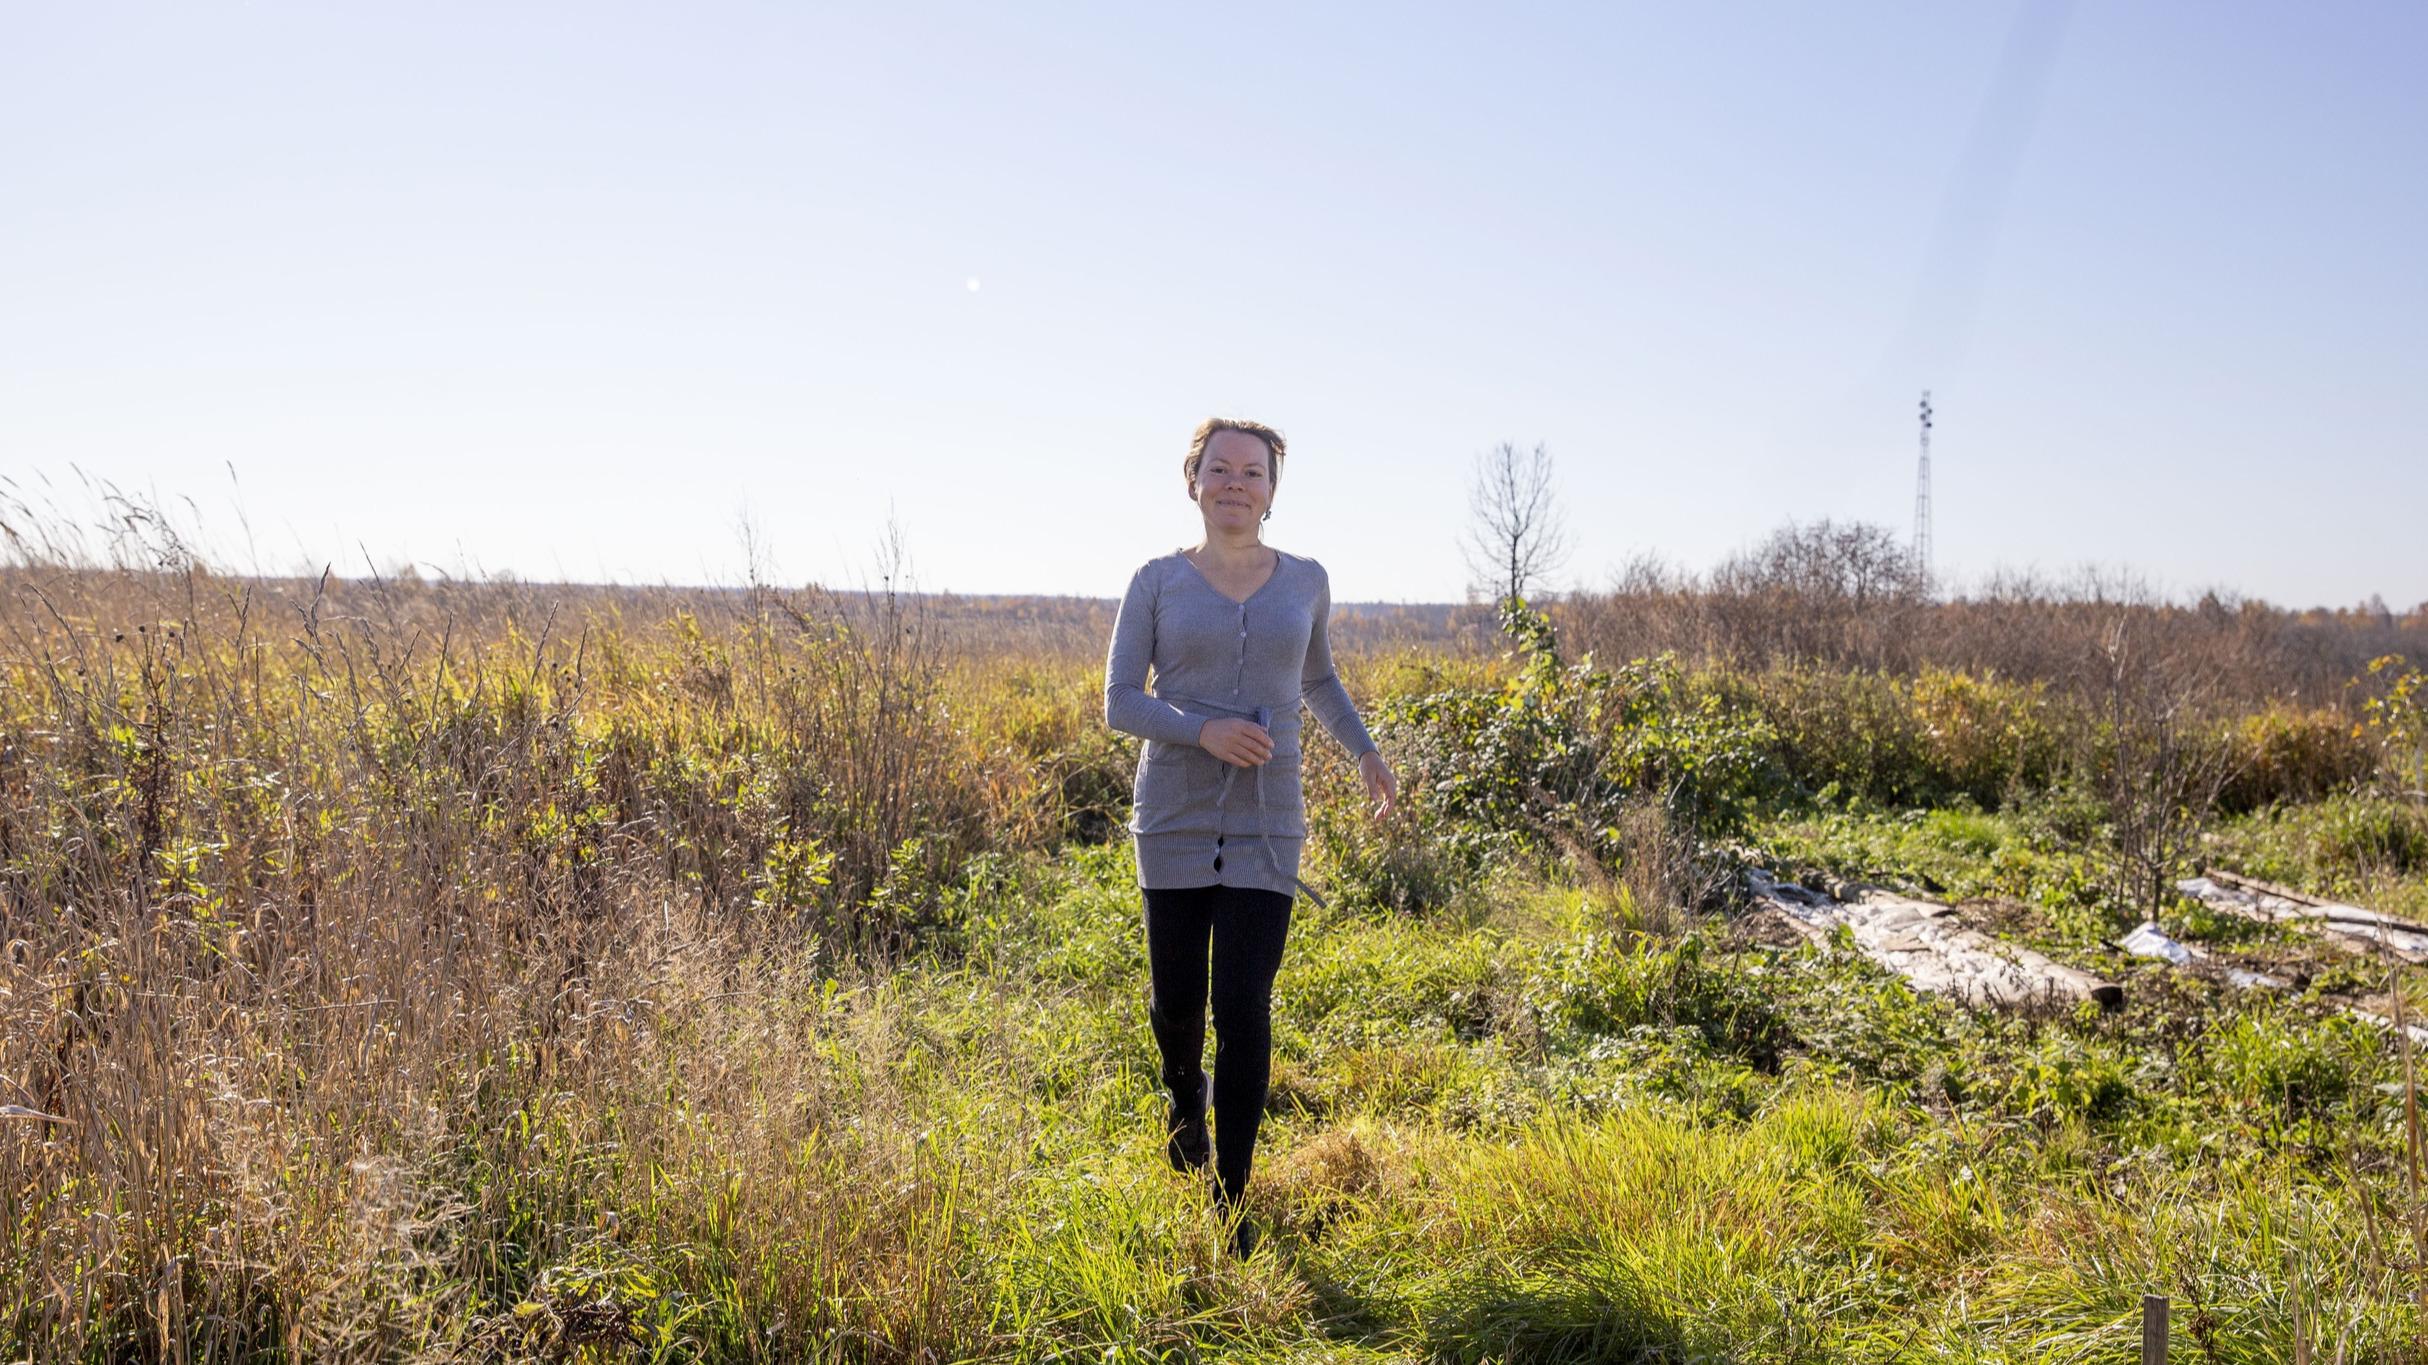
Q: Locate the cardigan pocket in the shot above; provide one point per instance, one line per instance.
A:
(1174, 790)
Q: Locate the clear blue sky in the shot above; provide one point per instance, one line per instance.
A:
(566, 289)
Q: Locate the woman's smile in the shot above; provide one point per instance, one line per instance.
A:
(1234, 482)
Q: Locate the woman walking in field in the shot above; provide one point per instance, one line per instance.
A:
(1235, 631)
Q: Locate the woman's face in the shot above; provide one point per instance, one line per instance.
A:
(1234, 481)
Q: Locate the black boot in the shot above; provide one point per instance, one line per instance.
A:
(1241, 1232)
(1245, 1237)
(1186, 1143)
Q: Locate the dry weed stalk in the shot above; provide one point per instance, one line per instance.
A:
(356, 933)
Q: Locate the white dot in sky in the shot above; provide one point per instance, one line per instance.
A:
(973, 284)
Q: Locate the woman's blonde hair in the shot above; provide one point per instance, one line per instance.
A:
(1205, 432)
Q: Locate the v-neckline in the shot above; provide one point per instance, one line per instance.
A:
(1234, 601)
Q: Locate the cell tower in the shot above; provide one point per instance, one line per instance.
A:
(1922, 496)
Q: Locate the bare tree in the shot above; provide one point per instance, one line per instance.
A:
(2164, 769)
(1516, 538)
(1843, 593)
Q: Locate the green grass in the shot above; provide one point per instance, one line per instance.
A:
(1539, 1142)
(2371, 849)
(1512, 1133)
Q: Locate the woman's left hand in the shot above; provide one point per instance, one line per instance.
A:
(1381, 787)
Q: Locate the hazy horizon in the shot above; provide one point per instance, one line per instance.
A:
(91, 546)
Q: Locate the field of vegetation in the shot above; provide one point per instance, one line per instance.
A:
(402, 970)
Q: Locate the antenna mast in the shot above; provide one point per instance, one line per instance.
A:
(1922, 497)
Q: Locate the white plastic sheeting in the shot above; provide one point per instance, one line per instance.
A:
(1929, 945)
(2348, 926)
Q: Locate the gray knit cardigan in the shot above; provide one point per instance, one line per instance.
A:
(1196, 820)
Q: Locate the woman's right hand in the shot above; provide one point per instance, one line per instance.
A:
(1241, 743)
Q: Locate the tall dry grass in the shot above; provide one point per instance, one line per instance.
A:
(374, 950)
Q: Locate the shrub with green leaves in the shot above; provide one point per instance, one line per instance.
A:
(2397, 719)
(1888, 740)
(1550, 760)
(2288, 753)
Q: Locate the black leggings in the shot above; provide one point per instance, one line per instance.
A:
(1246, 927)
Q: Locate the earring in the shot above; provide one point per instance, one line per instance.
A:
(1268, 516)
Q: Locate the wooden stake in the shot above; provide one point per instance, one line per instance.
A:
(2411, 1168)
(2153, 1329)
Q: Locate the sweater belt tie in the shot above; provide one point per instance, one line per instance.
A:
(1264, 718)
